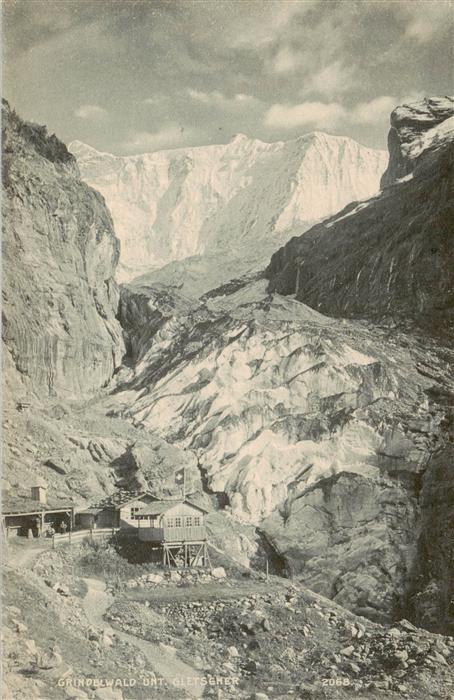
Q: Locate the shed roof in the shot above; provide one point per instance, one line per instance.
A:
(24, 504)
(90, 511)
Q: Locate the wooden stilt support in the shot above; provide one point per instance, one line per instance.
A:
(207, 560)
(185, 554)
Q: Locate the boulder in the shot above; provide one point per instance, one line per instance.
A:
(233, 652)
(218, 572)
(266, 624)
(407, 626)
(348, 651)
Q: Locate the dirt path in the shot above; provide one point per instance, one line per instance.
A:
(164, 663)
(22, 557)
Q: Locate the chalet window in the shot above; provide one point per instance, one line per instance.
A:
(178, 522)
(134, 512)
(169, 522)
(189, 521)
(196, 520)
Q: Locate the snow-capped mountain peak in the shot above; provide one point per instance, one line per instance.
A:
(246, 194)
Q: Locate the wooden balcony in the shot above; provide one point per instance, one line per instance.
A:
(197, 533)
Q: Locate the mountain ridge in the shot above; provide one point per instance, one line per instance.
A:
(77, 144)
(241, 198)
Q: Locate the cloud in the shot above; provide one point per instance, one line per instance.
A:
(157, 99)
(220, 101)
(426, 18)
(377, 110)
(333, 79)
(287, 60)
(259, 23)
(319, 114)
(170, 136)
(92, 112)
(331, 115)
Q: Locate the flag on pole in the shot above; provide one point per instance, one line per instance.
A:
(180, 479)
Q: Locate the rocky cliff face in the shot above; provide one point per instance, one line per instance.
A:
(414, 128)
(390, 256)
(60, 254)
(233, 201)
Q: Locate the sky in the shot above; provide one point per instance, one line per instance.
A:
(133, 76)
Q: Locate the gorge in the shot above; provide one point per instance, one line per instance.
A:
(311, 399)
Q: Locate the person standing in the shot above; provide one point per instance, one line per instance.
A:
(37, 523)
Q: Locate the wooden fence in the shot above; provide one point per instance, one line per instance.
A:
(78, 536)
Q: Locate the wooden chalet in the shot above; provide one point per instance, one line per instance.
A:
(174, 529)
(177, 529)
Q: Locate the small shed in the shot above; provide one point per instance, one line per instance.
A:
(22, 513)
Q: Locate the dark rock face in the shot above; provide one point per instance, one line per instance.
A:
(350, 538)
(60, 254)
(390, 257)
(409, 123)
(432, 594)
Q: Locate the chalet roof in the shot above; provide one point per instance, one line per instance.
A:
(91, 511)
(25, 504)
(131, 498)
(120, 499)
(160, 507)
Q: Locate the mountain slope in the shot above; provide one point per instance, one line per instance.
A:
(59, 253)
(392, 255)
(236, 199)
